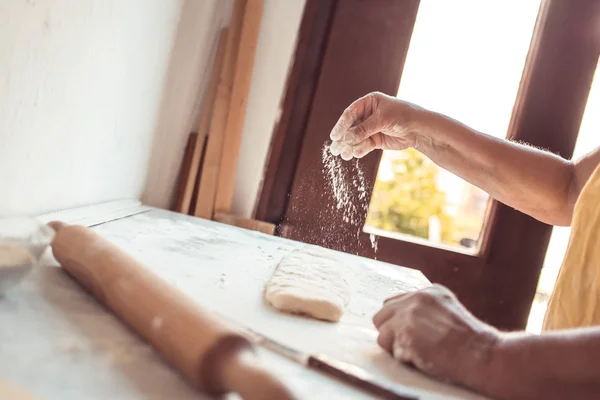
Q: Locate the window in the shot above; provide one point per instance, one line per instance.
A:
(465, 63)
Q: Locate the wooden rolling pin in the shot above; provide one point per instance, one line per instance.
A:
(204, 349)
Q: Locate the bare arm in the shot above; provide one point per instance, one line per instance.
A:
(554, 365)
(433, 331)
(536, 182)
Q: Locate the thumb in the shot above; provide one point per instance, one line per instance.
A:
(362, 131)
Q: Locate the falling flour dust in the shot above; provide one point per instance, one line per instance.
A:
(350, 195)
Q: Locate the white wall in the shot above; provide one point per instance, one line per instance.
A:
(81, 83)
(97, 97)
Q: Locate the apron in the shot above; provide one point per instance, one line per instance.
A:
(575, 301)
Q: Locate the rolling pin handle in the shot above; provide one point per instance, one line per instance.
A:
(232, 367)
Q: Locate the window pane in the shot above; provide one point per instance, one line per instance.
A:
(465, 60)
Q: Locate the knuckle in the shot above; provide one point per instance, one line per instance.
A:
(350, 112)
(375, 99)
(385, 338)
(425, 298)
(396, 315)
(438, 288)
(410, 330)
(351, 109)
(360, 130)
(376, 95)
(442, 292)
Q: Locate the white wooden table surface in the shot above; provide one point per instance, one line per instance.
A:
(58, 343)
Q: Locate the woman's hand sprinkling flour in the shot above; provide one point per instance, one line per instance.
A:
(376, 121)
(431, 330)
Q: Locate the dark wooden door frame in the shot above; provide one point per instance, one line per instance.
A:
(288, 136)
(499, 284)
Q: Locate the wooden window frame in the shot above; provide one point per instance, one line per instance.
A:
(499, 283)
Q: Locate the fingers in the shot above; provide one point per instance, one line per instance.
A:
(357, 114)
(390, 307)
(342, 125)
(353, 141)
(359, 151)
(365, 147)
(386, 338)
(349, 117)
(396, 337)
(401, 349)
(354, 127)
(382, 316)
(358, 133)
(347, 152)
(336, 148)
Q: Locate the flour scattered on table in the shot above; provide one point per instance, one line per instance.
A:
(114, 353)
(310, 281)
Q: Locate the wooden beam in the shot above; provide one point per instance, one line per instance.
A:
(184, 173)
(238, 103)
(245, 223)
(192, 178)
(286, 143)
(212, 161)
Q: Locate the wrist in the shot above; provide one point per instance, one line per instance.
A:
(486, 360)
(439, 137)
(424, 129)
(504, 364)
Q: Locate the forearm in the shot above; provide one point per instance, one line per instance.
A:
(533, 181)
(557, 365)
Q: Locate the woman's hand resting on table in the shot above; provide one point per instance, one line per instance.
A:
(431, 330)
(376, 121)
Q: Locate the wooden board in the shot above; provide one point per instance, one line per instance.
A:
(237, 108)
(73, 348)
(245, 223)
(184, 173)
(192, 179)
(97, 213)
(212, 160)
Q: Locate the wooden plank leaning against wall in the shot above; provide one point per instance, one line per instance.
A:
(208, 172)
(207, 185)
(499, 282)
(190, 175)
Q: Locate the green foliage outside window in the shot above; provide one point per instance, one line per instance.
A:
(406, 203)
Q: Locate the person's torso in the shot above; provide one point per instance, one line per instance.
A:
(575, 301)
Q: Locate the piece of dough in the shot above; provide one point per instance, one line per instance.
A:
(310, 281)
